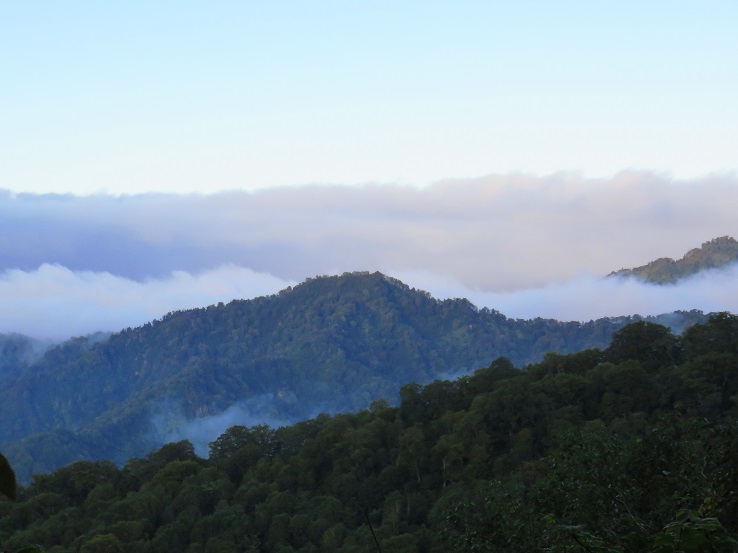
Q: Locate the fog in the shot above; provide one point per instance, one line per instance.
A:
(54, 302)
(588, 297)
(171, 425)
(57, 303)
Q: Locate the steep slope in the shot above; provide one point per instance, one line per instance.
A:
(330, 344)
(714, 254)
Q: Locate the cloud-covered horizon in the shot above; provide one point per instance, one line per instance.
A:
(55, 303)
(526, 246)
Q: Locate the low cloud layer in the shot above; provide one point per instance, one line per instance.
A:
(588, 297)
(56, 303)
(171, 425)
(527, 246)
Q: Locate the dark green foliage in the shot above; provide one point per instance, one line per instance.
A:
(260, 438)
(692, 533)
(714, 254)
(652, 345)
(179, 451)
(8, 489)
(7, 478)
(718, 335)
(592, 451)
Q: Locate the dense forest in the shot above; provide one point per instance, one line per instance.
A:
(330, 344)
(715, 254)
(622, 449)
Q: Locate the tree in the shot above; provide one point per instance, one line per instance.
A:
(7, 478)
(103, 543)
(236, 437)
(8, 488)
(718, 335)
(413, 451)
(176, 451)
(692, 533)
(652, 344)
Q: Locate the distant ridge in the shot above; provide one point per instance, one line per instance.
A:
(714, 254)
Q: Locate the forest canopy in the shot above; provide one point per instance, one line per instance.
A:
(628, 448)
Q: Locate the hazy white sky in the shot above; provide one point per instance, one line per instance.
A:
(130, 97)
(509, 152)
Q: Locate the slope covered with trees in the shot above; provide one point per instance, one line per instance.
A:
(330, 344)
(17, 352)
(715, 254)
(629, 448)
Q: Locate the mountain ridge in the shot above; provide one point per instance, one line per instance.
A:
(713, 254)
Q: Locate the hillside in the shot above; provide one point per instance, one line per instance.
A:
(18, 352)
(715, 254)
(330, 344)
(630, 448)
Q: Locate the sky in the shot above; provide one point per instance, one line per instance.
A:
(168, 155)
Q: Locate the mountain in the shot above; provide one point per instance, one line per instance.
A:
(330, 344)
(714, 254)
(631, 448)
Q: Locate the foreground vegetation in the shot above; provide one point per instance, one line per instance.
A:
(630, 448)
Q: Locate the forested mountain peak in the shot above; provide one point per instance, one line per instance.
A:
(713, 254)
(330, 344)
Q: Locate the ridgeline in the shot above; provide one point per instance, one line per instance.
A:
(715, 254)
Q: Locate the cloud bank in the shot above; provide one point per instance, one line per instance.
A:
(54, 302)
(588, 297)
(527, 246)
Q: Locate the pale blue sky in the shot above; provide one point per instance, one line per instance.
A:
(203, 96)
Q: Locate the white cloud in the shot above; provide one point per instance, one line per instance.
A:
(587, 297)
(56, 303)
(497, 233)
(514, 242)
